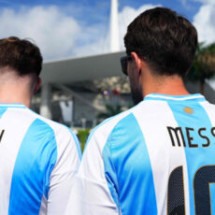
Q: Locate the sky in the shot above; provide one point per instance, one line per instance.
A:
(69, 28)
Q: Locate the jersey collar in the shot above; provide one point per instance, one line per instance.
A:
(165, 97)
(12, 105)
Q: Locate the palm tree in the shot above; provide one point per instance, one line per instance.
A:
(203, 66)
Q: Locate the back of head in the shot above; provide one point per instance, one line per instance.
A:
(20, 55)
(166, 40)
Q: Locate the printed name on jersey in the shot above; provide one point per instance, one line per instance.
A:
(1, 134)
(186, 138)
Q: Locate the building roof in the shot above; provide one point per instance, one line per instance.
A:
(81, 69)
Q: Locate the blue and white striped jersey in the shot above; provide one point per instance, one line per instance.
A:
(38, 159)
(156, 158)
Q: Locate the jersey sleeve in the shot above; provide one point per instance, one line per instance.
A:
(93, 188)
(62, 176)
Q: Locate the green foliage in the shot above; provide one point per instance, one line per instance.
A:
(204, 63)
(82, 136)
(203, 66)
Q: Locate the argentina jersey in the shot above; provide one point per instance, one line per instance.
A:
(38, 159)
(156, 159)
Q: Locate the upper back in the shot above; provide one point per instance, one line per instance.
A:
(30, 148)
(162, 155)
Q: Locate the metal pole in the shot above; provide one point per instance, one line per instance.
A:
(45, 108)
(114, 27)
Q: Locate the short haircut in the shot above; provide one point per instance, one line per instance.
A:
(166, 40)
(21, 55)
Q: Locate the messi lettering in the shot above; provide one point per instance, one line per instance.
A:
(184, 137)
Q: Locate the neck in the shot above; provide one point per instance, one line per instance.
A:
(15, 89)
(170, 85)
(13, 97)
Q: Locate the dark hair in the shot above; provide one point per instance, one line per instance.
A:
(166, 40)
(20, 55)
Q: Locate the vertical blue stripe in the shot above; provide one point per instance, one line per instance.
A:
(2, 110)
(128, 169)
(35, 160)
(196, 157)
(212, 192)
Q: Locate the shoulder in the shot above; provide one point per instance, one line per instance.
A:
(108, 125)
(63, 136)
(50, 128)
(55, 126)
(107, 129)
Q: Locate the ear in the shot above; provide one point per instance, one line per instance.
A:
(37, 85)
(137, 60)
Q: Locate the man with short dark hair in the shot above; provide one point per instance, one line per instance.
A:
(38, 157)
(157, 157)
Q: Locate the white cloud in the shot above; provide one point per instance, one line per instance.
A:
(93, 39)
(205, 22)
(54, 32)
(58, 34)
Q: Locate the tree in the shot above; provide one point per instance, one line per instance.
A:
(203, 66)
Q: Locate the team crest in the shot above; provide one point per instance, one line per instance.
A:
(188, 110)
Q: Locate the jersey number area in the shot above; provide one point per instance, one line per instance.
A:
(201, 185)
